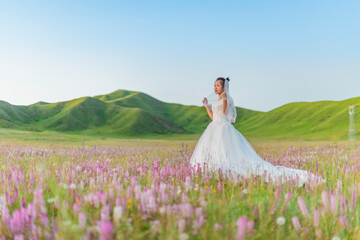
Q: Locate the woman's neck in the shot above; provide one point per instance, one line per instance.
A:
(220, 96)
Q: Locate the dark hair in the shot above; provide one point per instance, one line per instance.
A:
(222, 80)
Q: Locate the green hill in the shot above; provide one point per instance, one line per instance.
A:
(303, 120)
(129, 113)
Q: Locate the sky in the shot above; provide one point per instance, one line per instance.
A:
(274, 52)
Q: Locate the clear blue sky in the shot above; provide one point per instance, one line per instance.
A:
(275, 52)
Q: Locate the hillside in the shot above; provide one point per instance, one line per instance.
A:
(130, 113)
(120, 113)
(323, 120)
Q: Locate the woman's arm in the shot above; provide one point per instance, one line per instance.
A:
(210, 113)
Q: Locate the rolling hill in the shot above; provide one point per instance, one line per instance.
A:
(322, 120)
(130, 113)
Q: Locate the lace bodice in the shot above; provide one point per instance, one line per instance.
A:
(217, 109)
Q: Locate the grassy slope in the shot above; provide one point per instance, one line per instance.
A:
(305, 120)
(128, 113)
(121, 113)
(14, 114)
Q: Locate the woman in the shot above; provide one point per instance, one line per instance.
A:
(222, 146)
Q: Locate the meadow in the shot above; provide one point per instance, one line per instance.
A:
(57, 186)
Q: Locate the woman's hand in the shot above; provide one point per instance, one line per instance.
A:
(205, 102)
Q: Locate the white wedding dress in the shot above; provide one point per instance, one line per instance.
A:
(222, 146)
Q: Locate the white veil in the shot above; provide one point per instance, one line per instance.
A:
(211, 99)
(230, 108)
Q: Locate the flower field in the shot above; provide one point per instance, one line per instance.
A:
(147, 190)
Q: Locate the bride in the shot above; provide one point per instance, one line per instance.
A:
(222, 146)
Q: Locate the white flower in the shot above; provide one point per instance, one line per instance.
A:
(245, 191)
(179, 190)
(336, 238)
(72, 186)
(280, 221)
(118, 211)
(65, 186)
(183, 236)
(51, 200)
(162, 210)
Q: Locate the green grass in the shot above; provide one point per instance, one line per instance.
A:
(324, 120)
(129, 114)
